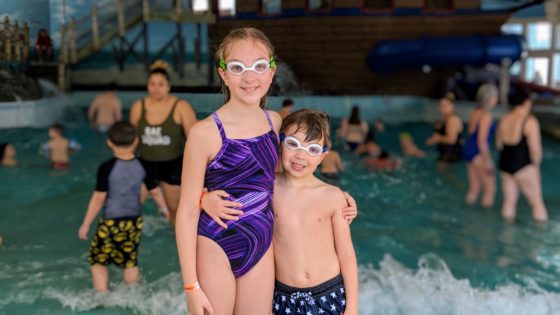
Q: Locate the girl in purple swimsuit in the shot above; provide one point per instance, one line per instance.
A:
(227, 271)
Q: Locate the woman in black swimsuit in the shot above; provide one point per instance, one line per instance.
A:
(448, 136)
(519, 141)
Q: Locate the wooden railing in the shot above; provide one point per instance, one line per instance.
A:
(86, 35)
(14, 41)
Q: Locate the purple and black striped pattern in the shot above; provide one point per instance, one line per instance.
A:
(245, 169)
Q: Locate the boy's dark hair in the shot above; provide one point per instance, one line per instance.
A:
(122, 134)
(287, 102)
(315, 124)
(518, 97)
(58, 128)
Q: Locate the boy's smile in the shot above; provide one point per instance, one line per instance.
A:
(297, 161)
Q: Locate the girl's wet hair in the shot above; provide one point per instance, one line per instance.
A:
(314, 123)
(236, 35)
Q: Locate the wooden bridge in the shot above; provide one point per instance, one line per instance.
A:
(87, 34)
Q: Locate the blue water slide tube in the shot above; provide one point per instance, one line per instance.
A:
(441, 52)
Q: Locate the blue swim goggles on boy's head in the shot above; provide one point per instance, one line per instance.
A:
(238, 68)
(293, 144)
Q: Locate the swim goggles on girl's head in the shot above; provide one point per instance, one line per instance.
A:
(293, 144)
(237, 68)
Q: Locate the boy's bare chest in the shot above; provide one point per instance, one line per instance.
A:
(300, 213)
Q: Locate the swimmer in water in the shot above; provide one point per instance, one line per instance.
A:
(59, 148)
(7, 155)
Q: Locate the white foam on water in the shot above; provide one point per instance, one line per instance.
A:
(163, 296)
(431, 289)
(153, 224)
(391, 289)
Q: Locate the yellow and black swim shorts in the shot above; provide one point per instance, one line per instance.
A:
(116, 241)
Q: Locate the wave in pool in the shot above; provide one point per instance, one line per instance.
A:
(390, 289)
(432, 289)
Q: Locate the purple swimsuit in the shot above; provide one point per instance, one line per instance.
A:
(245, 169)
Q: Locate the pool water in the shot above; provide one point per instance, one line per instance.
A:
(420, 249)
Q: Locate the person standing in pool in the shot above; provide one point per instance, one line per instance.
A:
(331, 165)
(480, 166)
(353, 130)
(117, 191)
(163, 123)
(448, 136)
(105, 110)
(287, 106)
(231, 271)
(519, 141)
(59, 148)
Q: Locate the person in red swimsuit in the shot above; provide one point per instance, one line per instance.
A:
(43, 46)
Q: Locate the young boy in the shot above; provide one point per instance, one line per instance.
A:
(59, 148)
(316, 268)
(118, 190)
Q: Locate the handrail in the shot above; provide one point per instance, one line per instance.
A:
(14, 41)
(85, 35)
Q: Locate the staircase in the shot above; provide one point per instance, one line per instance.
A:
(85, 35)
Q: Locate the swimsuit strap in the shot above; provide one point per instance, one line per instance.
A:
(269, 120)
(524, 123)
(175, 105)
(143, 108)
(172, 113)
(220, 126)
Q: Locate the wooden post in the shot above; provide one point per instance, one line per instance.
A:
(95, 27)
(17, 43)
(504, 81)
(197, 50)
(6, 39)
(72, 37)
(178, 10)
(25, 42)
(120, 11)
(62, 60)
(145, 11)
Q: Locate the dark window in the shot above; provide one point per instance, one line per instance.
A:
(271, 6)
(318, 5)
(378, 4)
(439, 4)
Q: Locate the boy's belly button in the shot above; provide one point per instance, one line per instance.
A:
(306, 275)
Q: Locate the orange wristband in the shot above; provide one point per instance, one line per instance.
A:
(191, 287)
(204, 193)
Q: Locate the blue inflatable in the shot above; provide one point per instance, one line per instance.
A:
(477, 50)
